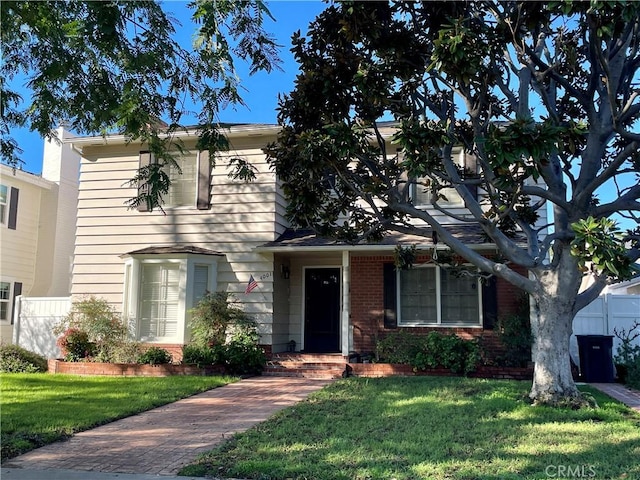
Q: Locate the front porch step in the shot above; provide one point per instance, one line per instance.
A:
(301, 372)
(309, 357)
(306, 365)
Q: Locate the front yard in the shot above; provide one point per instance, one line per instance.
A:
(432, 428)
(38, 409)
(390, 428)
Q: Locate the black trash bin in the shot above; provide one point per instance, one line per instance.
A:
(596, 360)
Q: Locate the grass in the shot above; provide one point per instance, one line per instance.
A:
(432, 428)
(38, 409)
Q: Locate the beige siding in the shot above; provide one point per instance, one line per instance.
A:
(19, 246)
(242, 217)
(37, 253)
(281, 307)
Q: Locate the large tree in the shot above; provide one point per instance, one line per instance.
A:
(544, 95)
(121, 67)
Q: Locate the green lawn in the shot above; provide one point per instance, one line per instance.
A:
(41, 408)
(432, 428)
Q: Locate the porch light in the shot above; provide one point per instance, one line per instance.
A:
(284, 271)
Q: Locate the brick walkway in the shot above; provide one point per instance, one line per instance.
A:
(629, 397)
(163, 440)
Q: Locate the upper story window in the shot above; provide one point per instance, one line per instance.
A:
(183, 189)
(9, 206)
(190, 181)
(3, 204)
(423, 195)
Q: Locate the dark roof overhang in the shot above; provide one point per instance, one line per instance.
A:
(307, 240)
(173, 250)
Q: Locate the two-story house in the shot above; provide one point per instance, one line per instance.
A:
(37, 230)
(216, 234)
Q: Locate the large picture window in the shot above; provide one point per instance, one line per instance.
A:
(436, 296)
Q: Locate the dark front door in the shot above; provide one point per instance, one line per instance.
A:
(322, 310)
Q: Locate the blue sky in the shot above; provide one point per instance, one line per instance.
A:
(261, 90)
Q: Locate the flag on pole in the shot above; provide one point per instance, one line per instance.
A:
(251, 285)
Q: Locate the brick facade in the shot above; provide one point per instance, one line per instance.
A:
(367, 309)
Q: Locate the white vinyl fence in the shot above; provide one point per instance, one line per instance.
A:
(35, 319)
(603, 315)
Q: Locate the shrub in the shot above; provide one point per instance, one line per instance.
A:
(15, 359)
(627, 357)
(398, 347)
(243, 354)
(514, 332)
(155, 356)
(633, 373)
(203, 356)
(125, 352)
(222, 334)
(75, 345)
(434, 350)
(211, 318)
(447, 351)
(103, 326)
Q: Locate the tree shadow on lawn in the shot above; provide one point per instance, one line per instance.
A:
(454, 428)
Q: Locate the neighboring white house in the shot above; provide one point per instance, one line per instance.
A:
(630, 287)
(37, 230)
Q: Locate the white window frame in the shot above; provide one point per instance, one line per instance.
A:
(132, 289)
(454, 200)
(4, 205)
(179, 179)
(438, 322)
(8, 301)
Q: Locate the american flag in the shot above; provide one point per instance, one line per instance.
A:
(251, 285)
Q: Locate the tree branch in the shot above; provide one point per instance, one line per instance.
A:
(608, 173)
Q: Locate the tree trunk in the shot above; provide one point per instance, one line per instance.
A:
(552, 379)
(551, 324)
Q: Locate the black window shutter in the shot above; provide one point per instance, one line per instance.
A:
(144, 160)
(471, 167)
(489, 303)
(389, 296)
(13, 208)
(204, 180)
(17, 290)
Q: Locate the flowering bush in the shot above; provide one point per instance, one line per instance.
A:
(75, 345)
(101, 325)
